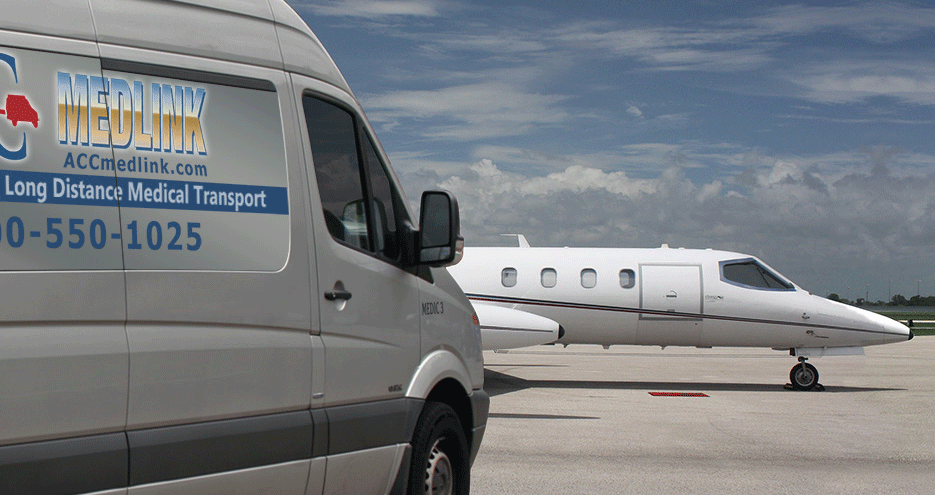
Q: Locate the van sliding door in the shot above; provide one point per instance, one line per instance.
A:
(218, 316)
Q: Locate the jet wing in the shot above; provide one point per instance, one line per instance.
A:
(505, 328)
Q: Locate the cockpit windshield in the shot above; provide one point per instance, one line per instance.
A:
(750, 273)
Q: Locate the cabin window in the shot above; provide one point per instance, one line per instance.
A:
(749, 273)
(549, 277)
(588, 278)
(627, 278)
(508, 277)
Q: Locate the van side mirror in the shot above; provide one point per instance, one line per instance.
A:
(439, 240)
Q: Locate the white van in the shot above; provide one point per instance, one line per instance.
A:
(209, 278)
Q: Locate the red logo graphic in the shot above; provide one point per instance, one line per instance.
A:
(19, 110)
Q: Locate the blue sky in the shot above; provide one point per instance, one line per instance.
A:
(800, 133)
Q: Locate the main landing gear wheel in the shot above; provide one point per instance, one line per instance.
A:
(439, 454)
(803, 376)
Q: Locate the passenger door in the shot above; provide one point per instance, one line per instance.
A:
(369, 305)
(670, 304)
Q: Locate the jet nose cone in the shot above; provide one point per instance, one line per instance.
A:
(897, 329)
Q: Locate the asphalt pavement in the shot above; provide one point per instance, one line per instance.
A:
(637, 419)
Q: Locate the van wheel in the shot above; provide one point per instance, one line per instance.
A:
(439, 453)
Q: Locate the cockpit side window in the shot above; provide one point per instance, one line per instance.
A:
(749, 273)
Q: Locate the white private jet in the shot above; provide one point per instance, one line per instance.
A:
(665, 297)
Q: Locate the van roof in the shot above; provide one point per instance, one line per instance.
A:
(266, 33)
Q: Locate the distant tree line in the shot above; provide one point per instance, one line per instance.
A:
(897, 300)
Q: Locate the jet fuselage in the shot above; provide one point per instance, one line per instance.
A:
(666, 297)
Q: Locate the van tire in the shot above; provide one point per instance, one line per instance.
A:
(439, 453)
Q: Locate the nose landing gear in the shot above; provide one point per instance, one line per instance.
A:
(804, 376)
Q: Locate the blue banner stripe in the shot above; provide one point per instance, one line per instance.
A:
(95, 190)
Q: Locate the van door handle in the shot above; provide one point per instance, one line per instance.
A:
(337, 294)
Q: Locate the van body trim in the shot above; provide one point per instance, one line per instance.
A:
(175, 452)
(320, 438)
(186, 74)
(59, 467)
(137, 457)
(373, 424)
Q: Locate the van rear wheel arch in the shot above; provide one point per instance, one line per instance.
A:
(450, 392)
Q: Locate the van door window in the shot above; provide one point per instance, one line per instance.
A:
(333, 138)
(362, 206)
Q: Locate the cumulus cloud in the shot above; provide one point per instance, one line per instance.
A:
(802, 221)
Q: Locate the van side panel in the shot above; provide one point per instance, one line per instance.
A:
(247, 36)
(62, 18)
(365, 472)
(182, 374)
(61, 380)
(301, 51)
(62, 345)
(266, 479)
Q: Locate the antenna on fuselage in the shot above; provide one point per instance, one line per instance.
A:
(520, 239)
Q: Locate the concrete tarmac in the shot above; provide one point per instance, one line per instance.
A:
(582, 420)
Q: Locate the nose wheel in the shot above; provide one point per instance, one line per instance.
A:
(803, 375)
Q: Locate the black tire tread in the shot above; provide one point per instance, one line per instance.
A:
(439, 420)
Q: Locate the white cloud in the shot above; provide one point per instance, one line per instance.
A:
(638, 160)
(471, 111)
(581, 179)
(504, 42)
(847, 81)
(880, 22)
(748, 43)
(718, 49)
